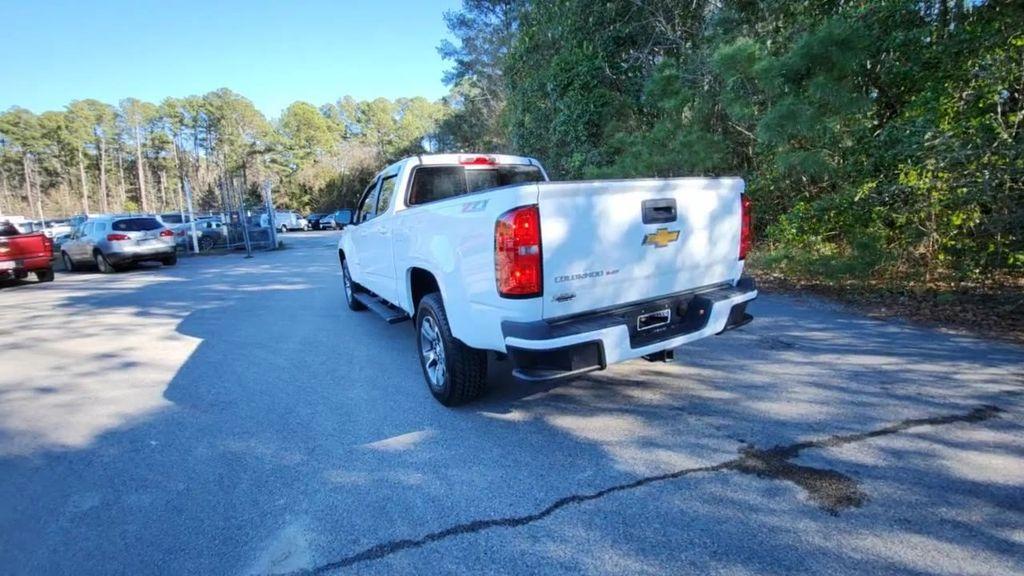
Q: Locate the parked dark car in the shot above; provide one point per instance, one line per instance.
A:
(174, 218)
(336, 220)
(210, 233)
(313, 220)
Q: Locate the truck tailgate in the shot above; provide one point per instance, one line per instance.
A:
(609, 243)
(24, 247)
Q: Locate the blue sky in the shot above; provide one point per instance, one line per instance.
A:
(271, 52)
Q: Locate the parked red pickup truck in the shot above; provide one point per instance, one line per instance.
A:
(24, 253)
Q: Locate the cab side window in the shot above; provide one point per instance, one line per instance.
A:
(387, 190)
(367, 204)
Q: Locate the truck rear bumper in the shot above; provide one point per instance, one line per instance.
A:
(543, 351)
(20, 267)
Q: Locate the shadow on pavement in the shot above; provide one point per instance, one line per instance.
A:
(285, 433)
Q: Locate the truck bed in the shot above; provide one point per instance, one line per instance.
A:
(23, 253)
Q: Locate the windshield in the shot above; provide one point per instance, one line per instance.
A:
(432, 183)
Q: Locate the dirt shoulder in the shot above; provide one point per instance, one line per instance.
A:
(994, 310)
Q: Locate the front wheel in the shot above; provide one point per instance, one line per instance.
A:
(350, 289)
(455, 373)
(69, 264)
(284, 229)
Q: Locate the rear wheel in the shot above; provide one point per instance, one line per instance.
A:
(103, 264)
(350, 289)
(45, 275)
(206, 243)
(170, 260)
(455, 373)
(69, 264)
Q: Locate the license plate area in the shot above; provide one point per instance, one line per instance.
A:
(666, 318)
(652, 320)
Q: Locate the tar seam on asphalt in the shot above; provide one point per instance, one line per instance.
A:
(831, 490)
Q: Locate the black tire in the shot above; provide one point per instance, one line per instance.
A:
(284, 229)
(69, 264)
(45, 275)
(102, 264)
(351, 288)
(206, 243)
(170, 260)
(464, 374)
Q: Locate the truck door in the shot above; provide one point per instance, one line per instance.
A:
(377, 258)
(81, 249)
(359, 235)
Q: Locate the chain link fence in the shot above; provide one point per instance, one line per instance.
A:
(238, 223)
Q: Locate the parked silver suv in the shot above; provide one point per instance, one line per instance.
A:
(115, 242)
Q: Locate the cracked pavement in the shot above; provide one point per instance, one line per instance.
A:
(230, 416)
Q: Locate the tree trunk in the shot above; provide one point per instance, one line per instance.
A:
(140, 170)
(65, 192)
(5, 193)
(85, 185)
(163, 190)
(957, 15)
(120, 169)
(178, 165)
(26, 164)
(943, 17)
(104, 194)
(195, 150)
(28, 180)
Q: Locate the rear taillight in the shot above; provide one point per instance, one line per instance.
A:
(517, 253)
(746, 228)
(117, 237)
(167, 233)
(4, 247)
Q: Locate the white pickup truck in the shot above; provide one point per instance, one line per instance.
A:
(562, 278)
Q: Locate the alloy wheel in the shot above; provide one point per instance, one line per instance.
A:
(432, 353)
(347, 280)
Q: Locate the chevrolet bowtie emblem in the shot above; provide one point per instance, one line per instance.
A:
(663, 237)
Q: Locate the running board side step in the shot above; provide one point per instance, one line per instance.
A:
(389, 314)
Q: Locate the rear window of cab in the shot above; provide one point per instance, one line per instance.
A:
(136, 225)
(433, 183)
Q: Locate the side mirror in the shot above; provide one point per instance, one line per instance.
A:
(344, 218)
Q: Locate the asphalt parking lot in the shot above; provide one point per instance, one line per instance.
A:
(231, 416)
